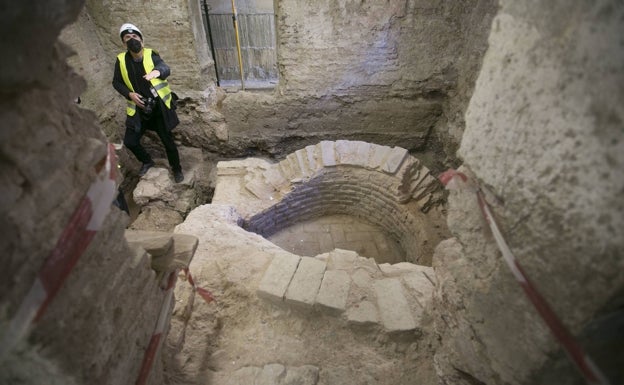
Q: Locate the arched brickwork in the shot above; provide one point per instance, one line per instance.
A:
(382, 185)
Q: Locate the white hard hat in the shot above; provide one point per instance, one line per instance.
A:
(129, 28)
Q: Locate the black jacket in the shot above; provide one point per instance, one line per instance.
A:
(136, 71)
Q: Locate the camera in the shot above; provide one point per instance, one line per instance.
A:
(149, 105)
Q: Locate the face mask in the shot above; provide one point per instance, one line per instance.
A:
(134, 45)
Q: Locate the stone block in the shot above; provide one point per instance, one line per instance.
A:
(184, 247)
(179, 255)
(396, 314)
(362, 278)
(334, 291)
(369, 264)
(349, 153)
(231, 167)
(394, 160)
(302, 159)
(275, 178)
(295, 166)
(156, 243)
(287, 170)
(363, 313)
(429, 273)
(362, 153)
(260, 189)
(278, 276)
(306, 282)
(328, 155)
(377, 156)
(313, 159)
(340, 259)
(419, 287)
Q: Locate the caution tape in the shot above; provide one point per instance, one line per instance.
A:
(154, 344)
(155, 340)
(455, 180)
(205, 294)
(86, 220)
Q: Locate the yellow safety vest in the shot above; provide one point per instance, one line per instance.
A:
(161, 86)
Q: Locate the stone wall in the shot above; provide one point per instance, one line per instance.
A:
(392, 73)
(91, 332)
(95, 65)
(381, 72)
(176, 31)
(544, 138)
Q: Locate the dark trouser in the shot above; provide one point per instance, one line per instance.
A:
(132, 140)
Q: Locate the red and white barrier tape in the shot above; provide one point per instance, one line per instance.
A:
(76, 237)
(154, 344)
(455, 180)
(205, 294)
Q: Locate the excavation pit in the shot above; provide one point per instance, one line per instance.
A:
(322, 235)
(352, 182)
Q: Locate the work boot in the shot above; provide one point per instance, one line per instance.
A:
(145, 167)
(178, 176)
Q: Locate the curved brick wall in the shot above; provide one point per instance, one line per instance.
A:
(383, 185)
(351, 191)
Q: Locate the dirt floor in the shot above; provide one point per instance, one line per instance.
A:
(241, 331)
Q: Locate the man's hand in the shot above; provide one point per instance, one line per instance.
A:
(136, 98)
(152, 75)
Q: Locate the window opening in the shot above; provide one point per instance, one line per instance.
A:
(257, 36)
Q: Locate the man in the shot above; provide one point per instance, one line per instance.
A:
(140, 76)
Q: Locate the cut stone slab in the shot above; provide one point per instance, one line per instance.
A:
(363, 313)
(394, 160)
(334, 291)
(340, 259)
(184, 247)
(274, 177)
(327, 153)
(313, 161)
(378, 155)
(419, 286)
(278, 276)
(168, 251)
(260, 189)
(369, 264)
(395, 312)
(306, 282)
(156, 243)
(362, 278)
(302, 158)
